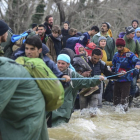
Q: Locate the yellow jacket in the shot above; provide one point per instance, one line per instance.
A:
(104, 58)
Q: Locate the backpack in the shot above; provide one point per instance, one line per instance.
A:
(52, 89)
(89, 48)
(121, 34)
(70, 43)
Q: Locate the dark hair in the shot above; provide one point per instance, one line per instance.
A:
(56, 29)
(34, 41)
(135, 21)
(95, 28)
(42, 25)
(34, 25)
(96, 52)
(47, 17)
(37, 29)
(72, 30)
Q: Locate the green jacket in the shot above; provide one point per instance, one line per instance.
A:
(109, 48)
(132, 45)
(63, 114)
(22, 105)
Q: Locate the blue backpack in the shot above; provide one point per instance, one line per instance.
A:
(70, 43)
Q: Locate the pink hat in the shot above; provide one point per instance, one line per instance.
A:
(77, 46)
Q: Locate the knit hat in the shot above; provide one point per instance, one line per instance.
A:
(108, 24)
(66, 58)
(102, 38)
(34, 25)
(135, 21)
(3, 27)
(120, 42)
(129, 30)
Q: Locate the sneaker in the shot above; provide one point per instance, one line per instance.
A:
(92, 89)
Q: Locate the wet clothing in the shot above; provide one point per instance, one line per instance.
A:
(109, 48)
(125, 61)
(97, 69)
(55, 46)
(22, 105)
(121, 92)
(63, 114)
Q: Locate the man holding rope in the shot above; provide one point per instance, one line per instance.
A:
(123, 60)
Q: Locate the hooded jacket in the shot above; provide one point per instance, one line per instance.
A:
(109, 48)
(22, 105)
(55, 46)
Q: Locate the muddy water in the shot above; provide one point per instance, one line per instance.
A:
(109, 124)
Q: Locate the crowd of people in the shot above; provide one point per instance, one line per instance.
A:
(89, 57)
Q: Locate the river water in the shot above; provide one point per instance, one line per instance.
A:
(109, 124)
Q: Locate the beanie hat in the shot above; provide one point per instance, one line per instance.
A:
(34, 25)
(3, 27)
(120, 42)
(129, 30)
(135, 21)
(102, 38)
(108, 24)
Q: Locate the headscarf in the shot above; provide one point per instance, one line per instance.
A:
(77, 46)
(135, 37)
(66, 58)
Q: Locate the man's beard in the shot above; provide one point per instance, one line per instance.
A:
(41, 35)
(3, 39)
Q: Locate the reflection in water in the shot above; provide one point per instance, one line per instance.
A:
(109, 124)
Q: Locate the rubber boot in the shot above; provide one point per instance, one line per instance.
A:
(130, 101)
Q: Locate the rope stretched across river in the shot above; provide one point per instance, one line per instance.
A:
(86, 78)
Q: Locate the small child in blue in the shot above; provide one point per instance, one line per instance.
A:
(137, 34)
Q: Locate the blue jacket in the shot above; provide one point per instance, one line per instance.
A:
(125, 62)
(84, 39)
